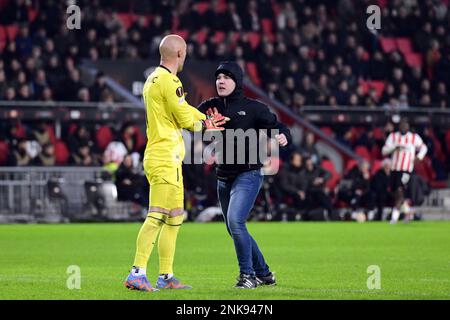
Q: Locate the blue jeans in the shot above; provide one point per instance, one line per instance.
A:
(236, 200)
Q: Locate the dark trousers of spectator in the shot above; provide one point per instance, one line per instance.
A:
(318, 199)
(298, 203)
(381, 199)
(133, 193)
(363, 201)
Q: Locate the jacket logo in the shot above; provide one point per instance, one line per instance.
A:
(241, 113)
(179, 92)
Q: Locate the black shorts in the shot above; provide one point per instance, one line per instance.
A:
(400, 179)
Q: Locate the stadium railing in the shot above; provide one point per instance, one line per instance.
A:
(363, 116)
(59, 194)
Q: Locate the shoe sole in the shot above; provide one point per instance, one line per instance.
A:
(130, 287)
(170, 288)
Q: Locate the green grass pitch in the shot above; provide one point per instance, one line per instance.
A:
(311, 261)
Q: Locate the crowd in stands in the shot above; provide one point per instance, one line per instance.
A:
(301, 52)
(306, 181)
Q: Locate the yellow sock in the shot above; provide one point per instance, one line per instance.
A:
(167, 242)
(147, 237)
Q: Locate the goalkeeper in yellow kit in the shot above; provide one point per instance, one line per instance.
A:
(167, 113)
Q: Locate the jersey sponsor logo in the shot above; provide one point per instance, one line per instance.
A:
(242, 113)
(179, 92)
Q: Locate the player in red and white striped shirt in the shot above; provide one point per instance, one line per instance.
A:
(404, 147)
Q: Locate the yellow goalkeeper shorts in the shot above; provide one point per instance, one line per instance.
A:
(166, 187)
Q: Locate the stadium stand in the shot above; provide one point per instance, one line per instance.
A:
(298, 45)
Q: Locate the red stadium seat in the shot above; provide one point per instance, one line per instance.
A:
(3, 34)
(327, 131)
(218, 37)
(404, 45)
(148, 20)
(382, 3)
(375, 166)
(51, 133)
(2, 46)
(61, 153)
(335, 176)
(350, 164)
(267, 26)
(378, 133)
(141, 140)
(363, 152)
(126, 19)
(425, 169)
(413, 59)
(202, 7)
(364, 85)
(221, 6)
(375, 152)
(72, 128)
(234, 38)
(438, 184)
(378, 86)
(182, 33)
(252, 71)
(32, 14)
(12, 31)
(276, 8)
(103, 137)
(254, 38)
(388, 44)
(21, 132)
(4, 149)
(200, 37)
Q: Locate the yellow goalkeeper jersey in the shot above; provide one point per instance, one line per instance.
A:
(167, 114)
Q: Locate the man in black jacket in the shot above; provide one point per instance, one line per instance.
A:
(380, 186)
(358, 193)
(292, 181)
(240, 176)
(315, 179)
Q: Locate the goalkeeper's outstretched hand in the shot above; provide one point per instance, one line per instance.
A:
(214, 120)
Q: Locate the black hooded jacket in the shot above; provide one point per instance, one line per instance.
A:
(244, 113)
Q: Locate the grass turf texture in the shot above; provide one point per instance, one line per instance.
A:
(311, 261)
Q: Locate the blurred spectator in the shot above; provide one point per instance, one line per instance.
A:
(129, 183)
(99, 87)
(83, 95)
(114, 152)
(355, 188)
(292, 181)
(81, 137)
(83, 156)
(19, 156)
(15, 11)
(309, 148)
(380, 186)
(46, 157)
(315, 178)
(41, 134)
